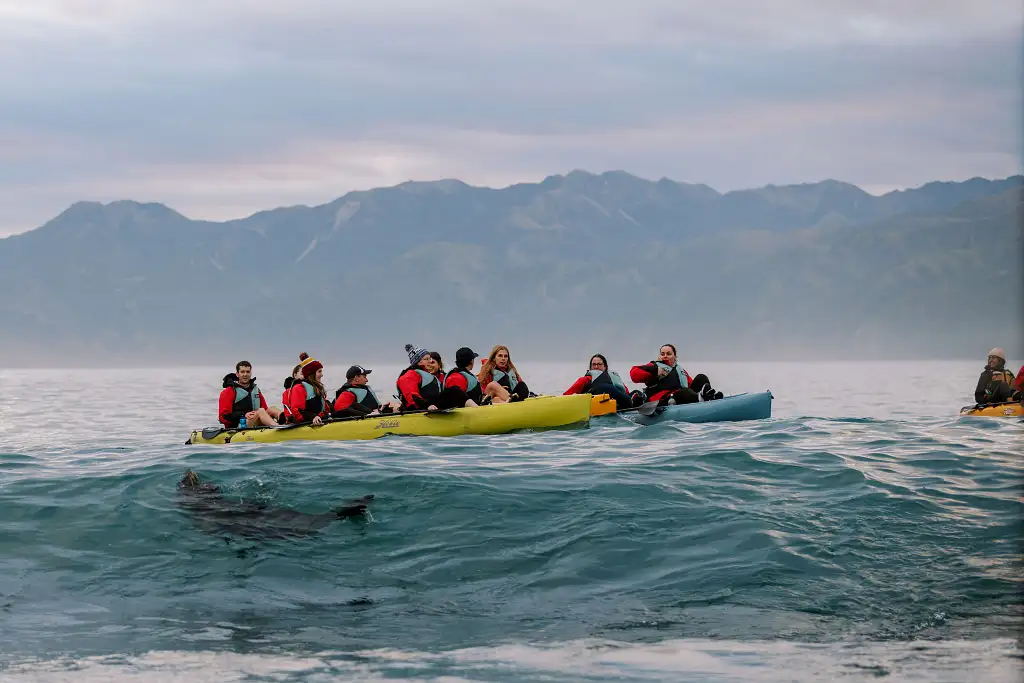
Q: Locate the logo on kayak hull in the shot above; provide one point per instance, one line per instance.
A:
(387, 424)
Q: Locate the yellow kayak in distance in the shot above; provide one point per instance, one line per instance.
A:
(538, 412)
(1008, 409)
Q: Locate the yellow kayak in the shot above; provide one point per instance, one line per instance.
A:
(540, 412)
(1010, 409)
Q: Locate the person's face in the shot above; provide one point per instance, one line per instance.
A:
(359, 380)
(597, 364)
(319, 375)
(244, 374)
(667, 355)
(428, 364)
(993, 362)
(501, 359)
(297, 374)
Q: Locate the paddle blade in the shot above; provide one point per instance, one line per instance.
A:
(648, 408)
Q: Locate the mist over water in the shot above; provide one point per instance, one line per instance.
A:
(865, 532)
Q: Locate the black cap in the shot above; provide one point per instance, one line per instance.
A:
(356, 370)
(464, 355)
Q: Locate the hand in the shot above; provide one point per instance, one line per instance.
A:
(251, 415)
(317, 421)
(375, 411)
(662, 372)
(431, 407)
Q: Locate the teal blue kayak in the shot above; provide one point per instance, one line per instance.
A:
(734, 408)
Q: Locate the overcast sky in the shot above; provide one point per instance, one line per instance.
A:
(220, 108)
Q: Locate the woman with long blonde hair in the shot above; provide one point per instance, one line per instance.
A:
(499, 368)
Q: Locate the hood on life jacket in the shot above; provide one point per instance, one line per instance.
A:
(289, 381)
(230, 379)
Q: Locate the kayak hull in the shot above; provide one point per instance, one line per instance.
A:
(540, 412)
(736, 408)
(1015, 409)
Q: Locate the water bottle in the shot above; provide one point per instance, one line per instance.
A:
(241, 423)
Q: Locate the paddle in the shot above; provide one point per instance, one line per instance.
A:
(976, 406)
(650, 408)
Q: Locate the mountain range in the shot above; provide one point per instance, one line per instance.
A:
(572, 265)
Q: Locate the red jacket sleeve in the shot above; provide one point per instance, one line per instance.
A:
(225, 402)
(263, 401)
(1018, 383)
(297, 399)
(344, 400)
(644, 374)
(456, 379)
(579, 386)
(409, 387)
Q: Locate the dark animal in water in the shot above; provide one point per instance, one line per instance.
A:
(215, 514)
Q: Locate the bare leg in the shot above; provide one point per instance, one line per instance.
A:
(498, 393)
(263, 418)
(275, 412)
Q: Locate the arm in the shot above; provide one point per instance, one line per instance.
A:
(580, 386)
(224, 404)
(644, 374)
(409, 387)
(344, 401)
(297, 400)
(979, 391)
(345, 406)
(456, 380)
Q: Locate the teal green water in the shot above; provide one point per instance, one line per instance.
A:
(831, 540)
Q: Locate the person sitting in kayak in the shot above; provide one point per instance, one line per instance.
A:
(242, 398)
(462, 378)
(600, 380)
(996, 383)
(665, 380)
(288, 382)
(356, 397)
(421, 385)
(307, 398)
(499, 368)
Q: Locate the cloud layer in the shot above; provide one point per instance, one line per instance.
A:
(220, 108)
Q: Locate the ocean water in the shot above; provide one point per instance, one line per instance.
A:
(865, 532)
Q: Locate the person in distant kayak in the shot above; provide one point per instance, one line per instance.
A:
(601, 380)
(499, 368)
(421, 385)
(462, 378)
(996, 383)
(241, 397)
(288, 382)
(356, 397)
(665, 380)
(307, 398)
